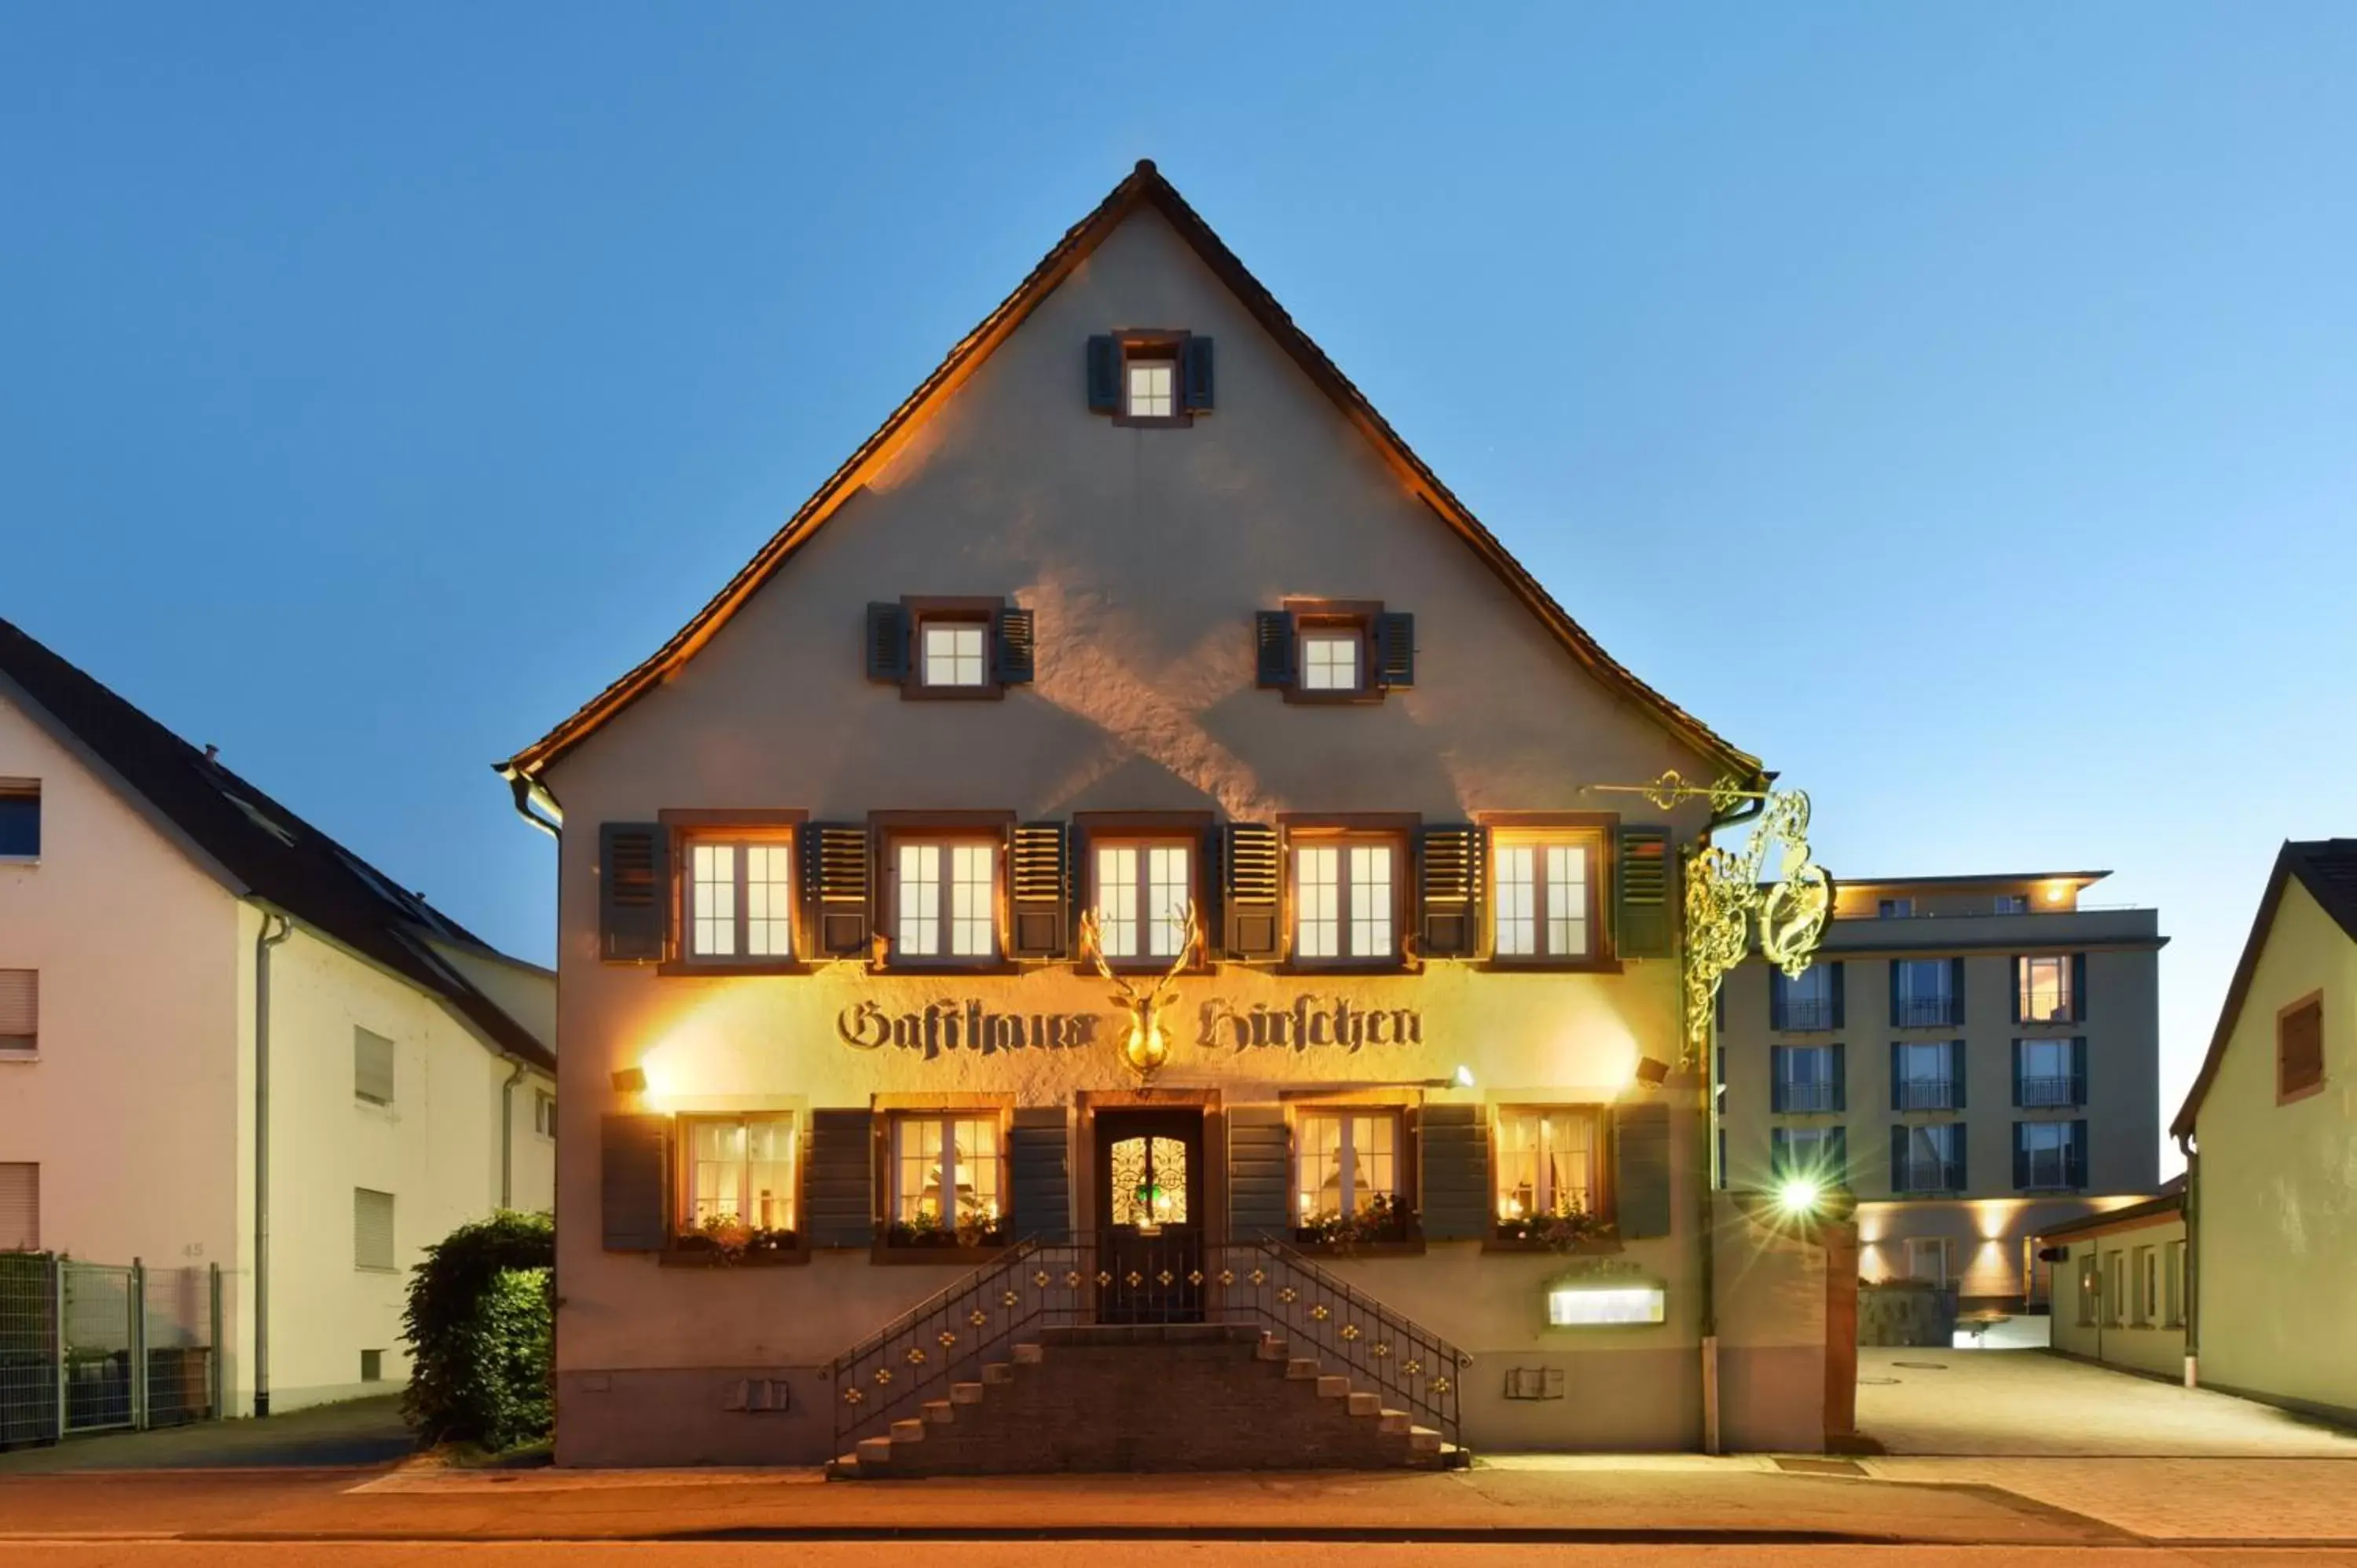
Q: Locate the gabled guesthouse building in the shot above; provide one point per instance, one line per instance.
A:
(1105, 946)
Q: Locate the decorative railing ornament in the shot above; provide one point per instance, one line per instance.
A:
(1725, 893)
(1146, 1047)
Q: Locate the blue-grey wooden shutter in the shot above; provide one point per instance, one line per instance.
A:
(1105, 374)
(1898, 1083)
(1273, 647)
(2079, 1070)
(888, 643)
(1956, 1150)
(1780, 1153)
(839, 1188)
(1897, 1159)
(835, 888)
(1253, 878)
(633, 891)
(1897, 1017)
(1838, 1141)
(1395, 650)
(1449, 868)
(1777, 999)
(2078, 988)
(1453, 1161)
(2075, 1165)
(1840, 1018)
(1015, 647)
(1258, 1173)
(1956, 1074)
(2017, 968)
(2017, 1075)
(1779, 1078)
(1956, 991)
(1038, 1152)
(2020, 1158)
(1195, 371)
(1841, 1077)
(1040, 872)
(633, 1172)
(1645, 889)
(1641, 1159)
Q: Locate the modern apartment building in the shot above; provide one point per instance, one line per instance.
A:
(1977, 1058)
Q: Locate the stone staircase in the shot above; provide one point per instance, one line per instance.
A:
(1120, 1397)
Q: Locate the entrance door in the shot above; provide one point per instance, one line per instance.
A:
(1150, 1216)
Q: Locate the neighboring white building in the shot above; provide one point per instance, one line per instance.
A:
(163, 922)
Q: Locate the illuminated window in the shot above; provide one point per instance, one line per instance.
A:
(948, 1174)
(1546, 1162)
(739, 1168)
(1153, 389)
(740, 899)
(1143, 894)
(1344, 907)
(957, 653)
(1545, 894)
(2042, 989)
(947, 899)
(1330, 661)
(1345, 1165)
(2090, 1290)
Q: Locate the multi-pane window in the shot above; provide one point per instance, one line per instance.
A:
(2049, 1073)
(543, 1113)
(739, 1168)
(740, 899)
(2047, 1157)
(1344, 901)
(2299, 1049)
(1544, 892)
(947, 899)
(372, 1230)
(1805, 1078)
(1153, 389)
(1924, 993)
(2148, 1284)
(954, 652)
(1926, 1075)
(20, 1011)
(1819, 1154)
(1546, 1160)
(1929, 1158)
(2115, 1289)
(20, 819)
(1894, 909)
(1143, 891)
(2042, 989)
(1806, 1003)
(1330, 661)
(948, 1172)
(2011, 904)
(1345, 1162)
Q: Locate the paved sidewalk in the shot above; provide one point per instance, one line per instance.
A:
(2184, 1501)
(355, 1431)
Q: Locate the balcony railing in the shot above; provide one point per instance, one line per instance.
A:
(2043, 1009)
(1803, 1097)
(2045, 1093)
(2046, 1168)
(1926, 1176)
(1801, 1015)
(1927, 1094)
(1928, 1012)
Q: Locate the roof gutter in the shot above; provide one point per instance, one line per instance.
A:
(506, 1131)
(264, 941)
(528, 792)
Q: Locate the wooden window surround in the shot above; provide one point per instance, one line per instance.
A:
(893, 1110)
(1394, 829)
(1599, 1179)
(887, 831)
(689, 1248)
(1398, 1108)
(1351, 618)
(1093, 829)
(1598, 833)
(683, 829)
(1155, 345)
(2299, 1049)
(961, 611)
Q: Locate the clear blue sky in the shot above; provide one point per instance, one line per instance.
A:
(1952, 405)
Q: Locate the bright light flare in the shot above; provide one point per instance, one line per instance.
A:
(1797, 1196)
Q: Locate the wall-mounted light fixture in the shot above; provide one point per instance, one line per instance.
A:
(1652, 1072)
(631, 1081)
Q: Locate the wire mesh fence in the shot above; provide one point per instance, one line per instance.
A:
(104, 1347)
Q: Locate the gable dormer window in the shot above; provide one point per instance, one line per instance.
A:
(955, 651)
(1153, 389)
(1329, 658)
(970, 648)
(1335, 651)
(1150, 378)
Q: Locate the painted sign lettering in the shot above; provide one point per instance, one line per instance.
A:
(1312, 1022)
(963, 1026)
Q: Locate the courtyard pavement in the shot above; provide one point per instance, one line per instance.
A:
(355, 1431)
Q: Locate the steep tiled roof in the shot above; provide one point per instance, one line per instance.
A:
(254, 845)
(1143, 188)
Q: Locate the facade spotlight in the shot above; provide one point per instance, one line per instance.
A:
(1464, 1075)
(1651, 1071)
(1799, 1196)
(631, 1081)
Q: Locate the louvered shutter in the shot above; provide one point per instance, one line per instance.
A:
(1253, 878)
(840, 1184)
(1645, 889)
(2079, 1070)
(1040, 874)
(1395, 650)
(1257, 1172)
(1956, 991)
(1015, 647)
(1897, 1018)
(20, 1207)
(1957, 1150)
(372, 1245)
(2078, 988)
(2017, 1075)
(1780, 1153)
(2020, 1158)
(1105, 375)
(888, 643)
(1641, 1160)
(1196, 369)
(1956, 1074)
(633, 1179)
(1453, 1160)
(1838, 1141)
(1273, 643)
(1038, 1162)
(1841, 1077)
(835, 888)
(633, 891)
(1449, 869)
(1778, 1012)
(372, 1067)
(1898, 1159)
(20, 1009)
(1841, 1020)
(2075, 1166)
(1779, 1078)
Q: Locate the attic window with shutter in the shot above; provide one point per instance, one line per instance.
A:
(1150, 378)
(950, 648)
(2299, 1049)
(1335, 651)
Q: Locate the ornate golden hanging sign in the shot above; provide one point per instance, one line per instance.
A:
(1725, 893)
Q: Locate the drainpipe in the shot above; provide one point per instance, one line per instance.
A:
(2192, 1302)
(264, 941)
(1708, 1210)
(507, 1136)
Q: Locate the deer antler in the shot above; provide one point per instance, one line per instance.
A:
(1092, 948)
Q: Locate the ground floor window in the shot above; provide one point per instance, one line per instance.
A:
(740, 1175)
(949, 1180)
(2115, 1289)
(1545, 1162)
(2091, 1289)
(1346, 1177)
(2173, 1280)
(2147, 1275)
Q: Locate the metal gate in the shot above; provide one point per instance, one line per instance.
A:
(104, 1347)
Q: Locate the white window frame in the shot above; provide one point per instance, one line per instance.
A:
(740, 889)
(691, 1202)
(2147, 1287)
(905, 1205)
(1349, 1202)
(1354, 946)
(1912, 1051)
(2025, 986)
(2173, 1285)
(1150, 402)
(1137, 893)
(1790, 1056)
(1531, 876)
(543, 1113)
(942, 901)
(1320, 673)
(1547, 1129)
(948, 669)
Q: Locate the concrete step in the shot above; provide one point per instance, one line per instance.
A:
(1029, 1354)
(1331, 1387)
(1366, 1405)
(1272, 1350)
(843, 1467)
(1424, 1439)
(936, 1412)
(914, 1431)
(965, 1393)
(1300, 1367)
(874, 1455)
(1393, 1421)
(997, 1372)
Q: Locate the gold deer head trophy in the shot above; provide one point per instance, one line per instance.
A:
(1146, 1047)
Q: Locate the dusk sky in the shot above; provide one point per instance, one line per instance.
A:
(1952, 405)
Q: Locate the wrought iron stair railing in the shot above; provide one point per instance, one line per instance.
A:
(952, 1335)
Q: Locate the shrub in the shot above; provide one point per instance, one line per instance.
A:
(479, 1331)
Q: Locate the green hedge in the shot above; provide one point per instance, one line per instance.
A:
(477, 1327)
